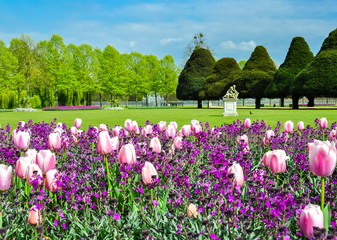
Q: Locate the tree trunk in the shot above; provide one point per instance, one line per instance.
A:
(155, 95)
(295, 102)
(19, 97)
(311, 102)
(199, 103)
(282, 102)
(243, 101)
(257, 103)
(100, 99)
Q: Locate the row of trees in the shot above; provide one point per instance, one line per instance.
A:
(301, 74)
(50, 72)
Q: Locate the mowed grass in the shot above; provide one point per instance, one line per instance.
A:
(180, 115)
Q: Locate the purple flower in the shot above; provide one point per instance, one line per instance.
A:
(116, 217)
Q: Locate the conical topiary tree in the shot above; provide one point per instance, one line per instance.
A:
(192, 78)
(224, 72)
(298, 57)
(319, 78)
(256, 75)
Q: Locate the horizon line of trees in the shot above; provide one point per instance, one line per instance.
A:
(300, 75)
(49, 73)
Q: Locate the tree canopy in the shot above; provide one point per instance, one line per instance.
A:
(297, 58)
(192, 78)
(256, 75)
(224, 72)
(319, 78)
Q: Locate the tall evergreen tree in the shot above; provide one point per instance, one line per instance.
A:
(192, 78)
(298, 57)
(224, 72)
(256, 75)
(319, 78)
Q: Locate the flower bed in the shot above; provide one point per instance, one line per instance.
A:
(237, 181)
(68, 108)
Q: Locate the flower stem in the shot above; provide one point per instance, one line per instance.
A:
(322, 193)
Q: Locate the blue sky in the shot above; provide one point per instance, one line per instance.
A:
(232, 28)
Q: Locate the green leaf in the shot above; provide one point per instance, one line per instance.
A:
(327, 217)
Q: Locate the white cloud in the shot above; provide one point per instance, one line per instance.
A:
(246, 46)
(165, 41)
(228, 44)
(132, 44)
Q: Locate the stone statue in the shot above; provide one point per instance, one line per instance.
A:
(231, 93)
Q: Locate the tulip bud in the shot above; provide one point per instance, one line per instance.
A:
(128, 125)
(116, 131)
(192, 211)
(174, 124)
(127, 154)
(155, 145)
(242, 139)
(269, 135)
(333, 135)
(194, 123)
(186, 130)
(31, 153)
(238, 174)
(104, 145)
(289, 126)
(78, 123)
(35, 216)
(21, 140)
(34, 175)
(5, 177)
(197, 129)
(247, 123)
(135, 127)
(46, 160)
(323, 122)
(322, 158)
(277, 162)
(103, 127)
(22, 165)
(171, 131)
(114, 143)
(177, 142)
(310, 217)
(54, 141)
(52, 178)
(149, 173)
(300, 126)
(266, 158)
(161, 126)
(146, 130)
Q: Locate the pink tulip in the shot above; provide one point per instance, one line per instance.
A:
(194, 123)
(155, 145)
(289, 126)
(46, 160)
(310, 217)
(162, 126)
(34, 174)
(322, 158)
(236, 169)
(135, 127)
(266, 158)
(146, 130)
(300, 126)
(149, 173)
(128, 125)
(22, 165)
(78, 123)
(269, 135)
(174, 124)
(323, 122)
(114, 143)
(54, 141)
(58, 130)
(186, 130)
(127, 155)
(52, 180)
(31, 153)
(177, 143)
(35, 216)
(247, 123)
(74, 131)
(333, 135)
(103, 127)
(171, 131)
(21, 140)
(104, 145)
(116, 131)
(59, 125)
(277, 162)
(242, 139)
(5, 177)
(197, 129)
(192, 211)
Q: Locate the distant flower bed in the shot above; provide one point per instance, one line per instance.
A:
(318, 104)
(24, 110)
(68, 108)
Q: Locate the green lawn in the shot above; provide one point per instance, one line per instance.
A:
(180, 115)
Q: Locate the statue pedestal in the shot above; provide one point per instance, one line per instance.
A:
(229, 107)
